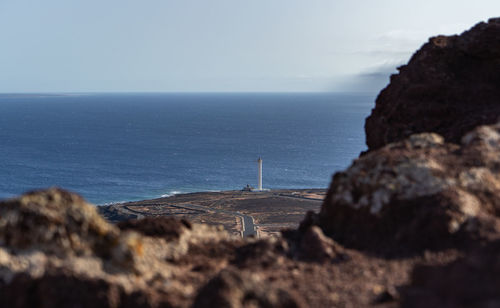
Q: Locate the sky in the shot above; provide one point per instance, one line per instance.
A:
(219, 45)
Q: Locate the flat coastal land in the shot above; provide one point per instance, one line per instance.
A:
(245, 213)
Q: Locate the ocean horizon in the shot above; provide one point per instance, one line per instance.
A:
(115, 147)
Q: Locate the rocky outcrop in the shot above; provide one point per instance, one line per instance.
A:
(57, 222)
(427, 191)
(56, 250)
(448, 87)
(418, 193)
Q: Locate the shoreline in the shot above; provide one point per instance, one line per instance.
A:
(180, 193)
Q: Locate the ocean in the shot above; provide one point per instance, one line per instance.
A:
(123, 147)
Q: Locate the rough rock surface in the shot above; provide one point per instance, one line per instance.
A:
(55, 221)
(242, 289)
(165, 227)
(420, 193)
(55, 249)
(57, 252)
(448, 87)
(472, 281)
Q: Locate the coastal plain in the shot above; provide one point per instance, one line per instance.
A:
(247, 213)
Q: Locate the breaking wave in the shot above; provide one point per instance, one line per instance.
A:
(172, 193)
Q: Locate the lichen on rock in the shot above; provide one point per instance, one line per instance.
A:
(55, 237)
(419, 191)
(55, 221)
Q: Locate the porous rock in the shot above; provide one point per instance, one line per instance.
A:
(449, 87)
(59, 289)
(55, 221)
(315, 246)
(263, 253)
(418, 193)
(235, 289)
(471, 281)
(56, 251)
(168, 228)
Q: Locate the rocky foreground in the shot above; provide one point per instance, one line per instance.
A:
(414, 222)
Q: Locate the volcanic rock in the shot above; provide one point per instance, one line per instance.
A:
(67, 290)
(55, 221)
(449, 87)
(68, 256)
(315, 246)
(168, 228)
(261, 253)
(56, 251)
(418, 193)
(472, 281)
(235, 289)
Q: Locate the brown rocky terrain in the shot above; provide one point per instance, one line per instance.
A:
(56, 251)
(448, 87)
(419, 193)
(412, 223)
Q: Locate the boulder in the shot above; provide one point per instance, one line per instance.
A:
(55, 221)
(57, 251)
(419, 193)
(448, 87)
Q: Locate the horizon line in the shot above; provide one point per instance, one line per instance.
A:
(180, 92)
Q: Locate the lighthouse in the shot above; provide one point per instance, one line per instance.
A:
(259, 179)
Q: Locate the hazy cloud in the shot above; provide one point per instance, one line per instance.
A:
(373, 79)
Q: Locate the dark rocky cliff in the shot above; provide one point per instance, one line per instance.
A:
(448, 87)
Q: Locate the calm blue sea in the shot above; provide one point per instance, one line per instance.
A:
(118, 147)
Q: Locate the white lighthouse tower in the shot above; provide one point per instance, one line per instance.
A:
(259, 181)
